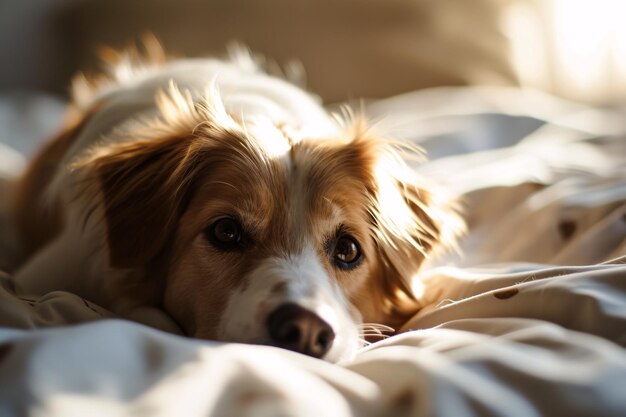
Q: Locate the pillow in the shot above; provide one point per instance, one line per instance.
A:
(349, 48)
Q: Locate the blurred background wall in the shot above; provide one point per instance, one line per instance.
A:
(349, 48)
(573, 48)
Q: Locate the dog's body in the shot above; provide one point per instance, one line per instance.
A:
(230, 199)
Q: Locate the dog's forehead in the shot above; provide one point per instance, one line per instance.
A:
(307, 185)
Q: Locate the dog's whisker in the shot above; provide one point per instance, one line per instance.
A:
(379, 328)
(377, 325)
(374, 330)
(382, 336)
(371, 333)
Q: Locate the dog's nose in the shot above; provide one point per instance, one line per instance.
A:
(296, 328)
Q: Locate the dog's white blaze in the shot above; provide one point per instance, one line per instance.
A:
(306, 283)
(274, 143)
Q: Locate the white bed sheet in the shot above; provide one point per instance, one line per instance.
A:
(530, 321)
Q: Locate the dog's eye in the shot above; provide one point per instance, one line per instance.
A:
(224, 234)
(347, 253)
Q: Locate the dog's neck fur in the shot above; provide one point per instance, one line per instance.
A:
(246, 94)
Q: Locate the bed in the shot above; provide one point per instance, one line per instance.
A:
(527, 318)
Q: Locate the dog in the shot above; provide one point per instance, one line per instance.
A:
(230, 199)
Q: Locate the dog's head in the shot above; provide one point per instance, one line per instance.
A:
(244, 233)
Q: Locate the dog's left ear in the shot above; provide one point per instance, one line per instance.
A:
(412, 219)
(433, 228)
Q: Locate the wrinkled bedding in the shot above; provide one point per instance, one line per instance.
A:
(528, 318)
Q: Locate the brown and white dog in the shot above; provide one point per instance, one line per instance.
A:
(231, 200)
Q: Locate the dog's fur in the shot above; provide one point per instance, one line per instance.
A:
(117, 208)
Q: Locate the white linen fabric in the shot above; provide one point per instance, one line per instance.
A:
(529, 321)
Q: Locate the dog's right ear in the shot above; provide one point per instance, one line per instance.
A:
(148, 180)
(144, 186)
